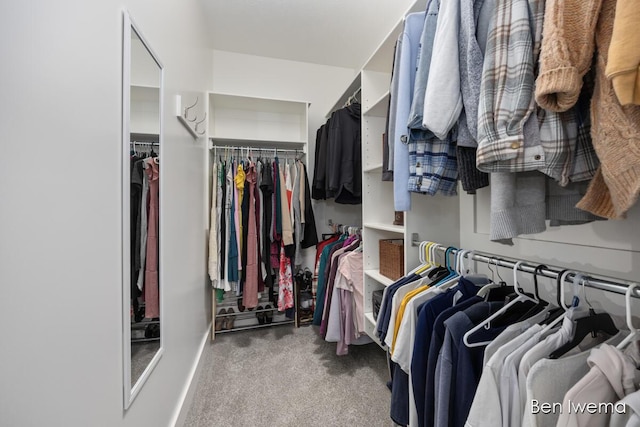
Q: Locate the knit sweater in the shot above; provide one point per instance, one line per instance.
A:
(568, 46)
(623, 67)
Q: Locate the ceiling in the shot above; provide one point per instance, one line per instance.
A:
(342, 33)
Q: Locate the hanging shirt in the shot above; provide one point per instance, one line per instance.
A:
(549, 380)
(250, 295)
(239, 181)
(285, 283)
(486, 409)
(511, 332)
(224, 223)
(428, 312)
(151, 280)
(461, 366)
(232, 248)
(287, 229)
(322, 280)
(405, 71)
(351, 268)
(613, 375)
(143, 227)
(214, 272)
(401, 310)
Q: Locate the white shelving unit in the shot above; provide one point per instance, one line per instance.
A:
(261, 123)
(435, 217)
(255, 121)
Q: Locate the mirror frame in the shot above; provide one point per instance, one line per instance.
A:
(131, 391)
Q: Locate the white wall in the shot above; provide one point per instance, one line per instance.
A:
(60, 248)
(609, 249)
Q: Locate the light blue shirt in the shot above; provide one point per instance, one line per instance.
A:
(405, 71)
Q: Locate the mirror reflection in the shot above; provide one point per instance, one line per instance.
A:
(143, 177)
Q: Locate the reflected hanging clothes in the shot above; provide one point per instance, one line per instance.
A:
(285, 283)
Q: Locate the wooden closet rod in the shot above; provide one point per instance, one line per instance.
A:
(551, 272)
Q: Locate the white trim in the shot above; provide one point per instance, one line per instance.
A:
(129, 392)
(189, 389)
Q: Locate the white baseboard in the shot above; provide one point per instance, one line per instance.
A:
(186, 397)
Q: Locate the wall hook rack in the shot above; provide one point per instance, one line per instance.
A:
(191, 124)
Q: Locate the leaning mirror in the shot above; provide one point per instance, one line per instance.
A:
(141, 213)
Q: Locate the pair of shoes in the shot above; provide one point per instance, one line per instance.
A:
(261, 315)
(152, 331)
(268, 315)
(221, 321)
(229, 320)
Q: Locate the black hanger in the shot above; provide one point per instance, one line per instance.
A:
(558, 311)
(591, 324)
(542, 304)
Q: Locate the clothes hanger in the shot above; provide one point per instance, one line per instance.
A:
(590, 324)
(523, 310)
(522, 297)
(495, 290)
(452, 278)
(560, 297)
(633, 332)
(542, 304)
(460, 267)
(421, 269)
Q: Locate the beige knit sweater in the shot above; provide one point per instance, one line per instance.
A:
(573, 29)
(623, 65)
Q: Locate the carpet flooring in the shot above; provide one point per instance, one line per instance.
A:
(287, 376)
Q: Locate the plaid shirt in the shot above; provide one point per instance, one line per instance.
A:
(510, 139)
(433, 166)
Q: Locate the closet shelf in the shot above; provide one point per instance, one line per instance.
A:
(243, 328)
(379, 108)
(373, 168)
(375, 275)
(371, 324)
(369, 318)
(385, 227)
(269, 144)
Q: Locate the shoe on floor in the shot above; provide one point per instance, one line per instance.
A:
(268, 315)
(220, 321)
(230, 319)
(260, 315)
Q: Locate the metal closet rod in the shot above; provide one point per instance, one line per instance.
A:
(258, 149)
(155, 144)
(553, 273)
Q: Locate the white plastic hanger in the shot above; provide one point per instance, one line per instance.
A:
(516, 287)
(460, 261)
(487, 322)
(484, 291)
(633, 332)
(421, 258)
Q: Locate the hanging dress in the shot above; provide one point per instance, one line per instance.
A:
(250, 295)
(151, 283)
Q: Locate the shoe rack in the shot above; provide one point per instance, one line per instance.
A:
(231, 316)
